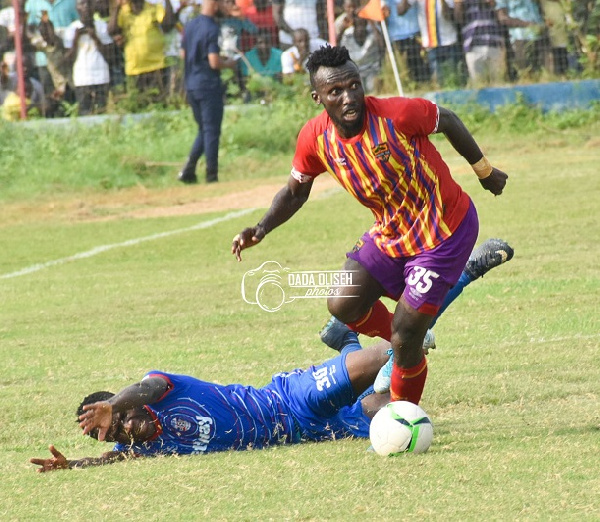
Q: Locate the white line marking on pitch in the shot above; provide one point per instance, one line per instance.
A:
(131, 242)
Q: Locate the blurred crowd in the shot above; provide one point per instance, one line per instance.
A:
(80, 54)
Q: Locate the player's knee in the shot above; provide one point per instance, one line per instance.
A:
(346, 310)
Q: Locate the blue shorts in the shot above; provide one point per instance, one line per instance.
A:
(423, 280)
(322, 401)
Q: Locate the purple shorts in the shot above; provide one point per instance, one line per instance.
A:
(423, 280)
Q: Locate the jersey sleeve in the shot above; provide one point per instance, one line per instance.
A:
(166, 377)
(418, 117)
(307, 164)
(411, 116)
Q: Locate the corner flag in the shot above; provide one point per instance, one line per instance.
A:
(372, 11)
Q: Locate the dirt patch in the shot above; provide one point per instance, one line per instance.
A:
(140, 202)
(258, 197)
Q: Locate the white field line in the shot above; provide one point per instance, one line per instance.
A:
(131, 242)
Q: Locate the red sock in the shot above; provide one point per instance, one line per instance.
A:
(408, 383)
(376, 323)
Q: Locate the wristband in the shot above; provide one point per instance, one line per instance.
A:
(482, 168)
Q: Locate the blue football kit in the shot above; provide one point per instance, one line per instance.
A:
(196, 416)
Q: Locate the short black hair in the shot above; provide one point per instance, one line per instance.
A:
(91, 399)
(326, 56)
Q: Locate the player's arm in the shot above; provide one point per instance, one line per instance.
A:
(285, 204)
(100, 414)
(460, 138)
(59, 461)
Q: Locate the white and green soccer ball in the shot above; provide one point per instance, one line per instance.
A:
(401, 427)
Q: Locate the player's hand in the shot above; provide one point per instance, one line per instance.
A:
(495, 182)
(96, 415)
(245, 239)
(58, 461)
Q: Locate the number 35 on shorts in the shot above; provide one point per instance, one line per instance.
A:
(421, 279)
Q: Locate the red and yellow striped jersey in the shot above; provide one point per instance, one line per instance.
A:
(392, 168)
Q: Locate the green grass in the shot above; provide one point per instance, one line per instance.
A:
(513, 387)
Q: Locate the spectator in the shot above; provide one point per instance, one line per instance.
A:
(346, 19)
(142, 25)
(234, 27)
(296, 14)
(34, 92)
(366, 50)
(114, 52)
(59, 67)
(260, 13)
(406, 37)
(293, 61)
(87, 40)
(587, 16)
(61, 13)
(555, 18)
(200, 47)
(525, 26)
(439, 38)
(7, 44)
(263, 59)
(173, 62)
(483, 41)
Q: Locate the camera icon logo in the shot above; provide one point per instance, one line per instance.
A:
(264, 286)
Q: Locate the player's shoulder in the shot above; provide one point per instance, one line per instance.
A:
(316, 125)
(393, 104)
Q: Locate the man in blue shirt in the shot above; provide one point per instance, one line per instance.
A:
(166, 414)
(204, 89)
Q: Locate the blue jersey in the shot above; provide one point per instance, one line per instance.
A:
(196, 416)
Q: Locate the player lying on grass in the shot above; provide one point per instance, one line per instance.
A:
(167, 414)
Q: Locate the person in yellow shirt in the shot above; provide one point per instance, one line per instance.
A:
(140, 26)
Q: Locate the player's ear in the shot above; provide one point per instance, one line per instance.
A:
(315, 97)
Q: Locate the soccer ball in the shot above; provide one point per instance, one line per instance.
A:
(401, 427)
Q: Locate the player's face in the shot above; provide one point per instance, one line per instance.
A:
(340, 91)
(130, 426)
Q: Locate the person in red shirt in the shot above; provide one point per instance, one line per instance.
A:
(425, 224)
(260, 13)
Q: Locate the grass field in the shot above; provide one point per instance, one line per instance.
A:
(94, 295)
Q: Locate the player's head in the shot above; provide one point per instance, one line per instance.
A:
(336, 84)
(98, 396)
(133, 425)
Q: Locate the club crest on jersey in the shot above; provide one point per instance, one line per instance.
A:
(181, 425)
(381, 151)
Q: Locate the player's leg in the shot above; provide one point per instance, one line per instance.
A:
(428, 278)
(409, 370)
(374, 274)
(490, 254)
(363, 365)
(324, 398)
(359, 305)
